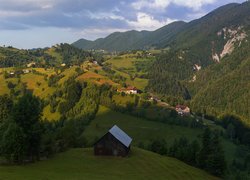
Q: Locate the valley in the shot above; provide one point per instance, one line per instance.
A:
(181, 92)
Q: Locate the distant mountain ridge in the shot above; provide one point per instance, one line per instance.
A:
(123, 41)
(177, 34)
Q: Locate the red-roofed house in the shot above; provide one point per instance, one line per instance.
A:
(182, 110)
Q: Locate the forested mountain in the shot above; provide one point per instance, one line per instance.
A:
(131, 40)
(209, 63)
(224, 87)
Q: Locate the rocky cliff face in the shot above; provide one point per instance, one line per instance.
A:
(232, 37)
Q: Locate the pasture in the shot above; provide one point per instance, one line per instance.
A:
(77, 164)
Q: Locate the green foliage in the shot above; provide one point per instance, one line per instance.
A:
(12, 144)
(6, 104)
(55, 56)
(11, 57)
(211, 157)
(26, 114)
(159, 146)
(183, 150)
(88, 103)
(53, 79)
(166, 75)
(216, 163)
(71, 55)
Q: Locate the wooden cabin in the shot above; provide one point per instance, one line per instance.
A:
(114, 143)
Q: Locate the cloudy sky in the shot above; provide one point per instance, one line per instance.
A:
(40, 23)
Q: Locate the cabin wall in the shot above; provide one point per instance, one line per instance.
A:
(108, 145)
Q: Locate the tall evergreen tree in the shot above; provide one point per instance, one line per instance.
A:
(205, 150)
(12, 145)
(216, 163)
(5, 107)
(26, 114)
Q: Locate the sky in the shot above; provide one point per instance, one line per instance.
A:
(43, 23)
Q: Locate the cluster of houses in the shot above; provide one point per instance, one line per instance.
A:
(18, 72)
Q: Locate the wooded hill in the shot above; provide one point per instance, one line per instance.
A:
(209, 63)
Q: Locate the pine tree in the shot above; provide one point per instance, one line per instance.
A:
(216, 163)
(26, 114)
(13, 143)
(205, 150)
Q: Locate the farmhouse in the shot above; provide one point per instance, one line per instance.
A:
(114, 143)
(129, 90)
(32, 64)
(26, 71)
(182, 110)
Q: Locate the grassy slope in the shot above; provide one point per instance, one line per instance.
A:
(141, 130)
(127, 62)
(97, 78)
(32, 79)
(81, 164)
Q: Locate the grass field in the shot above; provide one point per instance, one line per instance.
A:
(77, 164)
(97, 78)
(33, 81)
(49, 72)
(140, 129)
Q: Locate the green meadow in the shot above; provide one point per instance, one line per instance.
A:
(79, 164)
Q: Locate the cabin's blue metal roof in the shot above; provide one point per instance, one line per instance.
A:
(120, 135)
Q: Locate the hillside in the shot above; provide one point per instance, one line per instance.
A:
(82, 164)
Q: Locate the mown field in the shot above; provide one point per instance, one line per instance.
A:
(77, 164)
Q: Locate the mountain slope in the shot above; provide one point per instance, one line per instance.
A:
(209, 60)
(201, 37)
(82, 164)
(225, 86)
(130, 40)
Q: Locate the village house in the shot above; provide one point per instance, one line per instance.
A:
(114, 143)
(129, 90)
(182, 110)
(26, 71)
(32, 64)
(95, 62)
(12, 73)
